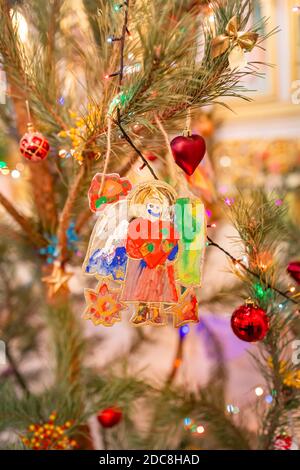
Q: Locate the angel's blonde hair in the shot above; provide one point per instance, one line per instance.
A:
(154, 189)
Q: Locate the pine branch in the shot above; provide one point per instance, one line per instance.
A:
(176, 362)
(238, 262)
(15, 369)
(66, 213)
(26, 224)
(139, 153)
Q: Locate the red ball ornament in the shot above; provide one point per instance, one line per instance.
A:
(33, 145)
(249, 322)
(294, 270)
(109, 417)
(283, 442)
(188, 152)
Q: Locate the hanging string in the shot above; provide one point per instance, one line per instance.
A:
(108, 151)
(29, 121)
(171, 164)
(188, 122)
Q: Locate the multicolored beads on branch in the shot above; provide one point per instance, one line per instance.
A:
(49, 436)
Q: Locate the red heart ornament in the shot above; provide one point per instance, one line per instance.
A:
(188, 152)
(294, 270)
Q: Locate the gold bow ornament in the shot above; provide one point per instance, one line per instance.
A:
(240, 41)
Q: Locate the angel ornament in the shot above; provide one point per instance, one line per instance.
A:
(147, 246)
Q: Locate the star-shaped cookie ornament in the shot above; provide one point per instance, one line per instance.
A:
(103, 306)
(186, 310)
(57, 280)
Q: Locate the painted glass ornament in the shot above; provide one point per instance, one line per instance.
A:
(33, 145)
(249, 322)
(111, 190)
(150, 246)
(186, 311)
(103, 306)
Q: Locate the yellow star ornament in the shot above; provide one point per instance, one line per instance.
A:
(186, 311)
(103, 306)
(57, 280)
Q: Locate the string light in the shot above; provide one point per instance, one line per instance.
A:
(232, 409)
(269, 399)
(229, 201)
(292, 289)
(184, 330)
(112, 39)
(177, 363)
(296, 8)
(200, 429)
(15, 174)
(111, 75)
(225, 161)
(259, 391)
(190, 425)
(187, 422)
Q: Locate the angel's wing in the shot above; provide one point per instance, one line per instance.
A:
(107, 241)
(190, 222)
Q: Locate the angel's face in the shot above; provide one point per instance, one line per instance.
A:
(155, 208)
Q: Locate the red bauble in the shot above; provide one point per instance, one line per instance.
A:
(250, 323)
(109, 417)
(188, 152)
(283, 442)
(294, 270)
(150, 157)
(33, 145)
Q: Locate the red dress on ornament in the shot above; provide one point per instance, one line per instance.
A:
(151, 248)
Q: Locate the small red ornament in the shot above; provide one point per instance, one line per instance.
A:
(249, 322)
(109, 417)
(188, 151)
(33, 145)
(294, 270)
(283, 442)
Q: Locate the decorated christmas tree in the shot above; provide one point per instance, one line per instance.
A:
(108, 223)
